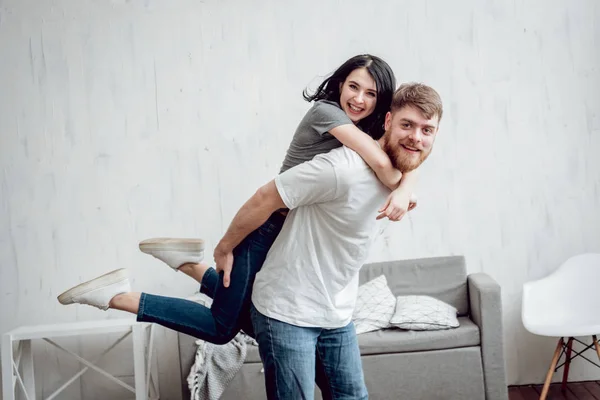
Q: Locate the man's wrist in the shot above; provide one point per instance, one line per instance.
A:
(224, 247)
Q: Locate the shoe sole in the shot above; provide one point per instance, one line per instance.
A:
(171, 244)
(110, 278)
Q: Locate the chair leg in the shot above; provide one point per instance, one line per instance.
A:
(597, 346)
(567, 365)
(551, 369)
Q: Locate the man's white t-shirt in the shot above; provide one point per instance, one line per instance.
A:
(310, 275)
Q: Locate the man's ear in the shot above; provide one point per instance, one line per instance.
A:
(388, 121)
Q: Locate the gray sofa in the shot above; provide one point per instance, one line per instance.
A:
(466, 363)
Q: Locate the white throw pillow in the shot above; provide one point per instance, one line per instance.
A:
(374, 306)
(423, 313)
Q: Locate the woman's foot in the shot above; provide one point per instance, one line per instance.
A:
(174, 251)
(98, 292)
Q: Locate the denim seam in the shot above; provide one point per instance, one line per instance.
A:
(236, 325)
(268, 320)
(327, 380)
(140, 313)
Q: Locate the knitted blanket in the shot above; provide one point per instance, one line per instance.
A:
(215, 366)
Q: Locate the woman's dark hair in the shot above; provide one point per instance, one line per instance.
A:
(384, 78)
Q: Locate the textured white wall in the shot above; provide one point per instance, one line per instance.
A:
(123, 120)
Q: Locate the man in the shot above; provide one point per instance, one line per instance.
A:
(304, 296)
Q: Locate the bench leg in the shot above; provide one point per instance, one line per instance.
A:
(28, 377)
(8, 380)
(139, 362)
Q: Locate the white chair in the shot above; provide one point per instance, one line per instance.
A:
(565, 305)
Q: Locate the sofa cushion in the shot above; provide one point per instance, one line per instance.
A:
(423, 313)
(375, 306)
(399, 341)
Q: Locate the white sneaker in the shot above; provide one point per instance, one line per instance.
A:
(99, 291)
(174, 251)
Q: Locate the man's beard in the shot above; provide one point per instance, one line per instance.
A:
(401, 159)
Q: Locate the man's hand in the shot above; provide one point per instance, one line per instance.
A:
(398, 203)
(252, 215)
(224, 261)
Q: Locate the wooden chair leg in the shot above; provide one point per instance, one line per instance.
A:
(597, 346)
(567, 365)
(551, 369)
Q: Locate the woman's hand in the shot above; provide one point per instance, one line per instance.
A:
(398, 203)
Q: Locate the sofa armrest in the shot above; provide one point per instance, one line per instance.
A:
(486, 311)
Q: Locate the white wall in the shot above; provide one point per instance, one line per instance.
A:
(122, 120)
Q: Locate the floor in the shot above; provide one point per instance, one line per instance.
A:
(575, 390)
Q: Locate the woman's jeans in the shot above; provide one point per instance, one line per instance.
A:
(230, 310)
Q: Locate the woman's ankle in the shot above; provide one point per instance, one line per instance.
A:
(129, 302)
(194, 270)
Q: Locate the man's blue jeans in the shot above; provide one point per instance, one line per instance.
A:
(294, 356)
(230, 310)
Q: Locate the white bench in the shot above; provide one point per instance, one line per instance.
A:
(13, 365)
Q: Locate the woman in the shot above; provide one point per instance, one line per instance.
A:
(349, 109)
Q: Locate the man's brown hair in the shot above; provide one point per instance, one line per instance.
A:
(420, 96)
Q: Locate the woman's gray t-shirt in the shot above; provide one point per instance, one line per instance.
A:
(312, 136)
